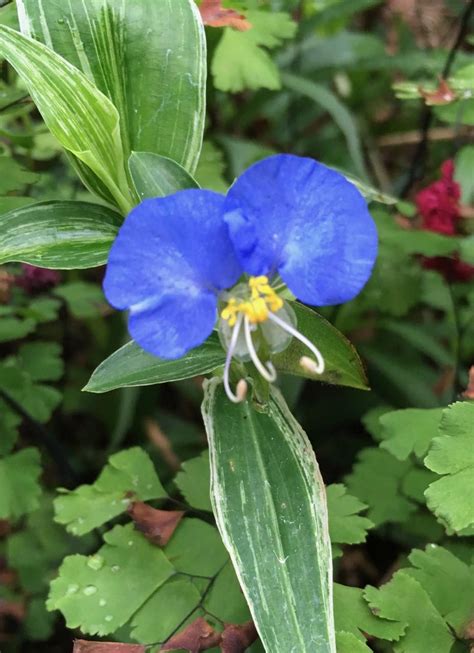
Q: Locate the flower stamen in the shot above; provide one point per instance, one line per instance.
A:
(263, 299)
(241, 390)
(267, 371)
(315, 367)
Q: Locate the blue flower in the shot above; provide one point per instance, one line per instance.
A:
(287, 221)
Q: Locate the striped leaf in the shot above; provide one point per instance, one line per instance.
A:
(83, 120)
(61, 235)
(147, 56)
(270, 506)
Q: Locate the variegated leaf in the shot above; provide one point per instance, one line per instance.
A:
(147, 56)
(270, 506)
(84, 121)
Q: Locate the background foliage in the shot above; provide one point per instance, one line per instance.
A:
(355, 85)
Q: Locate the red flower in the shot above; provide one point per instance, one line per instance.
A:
(438, 205)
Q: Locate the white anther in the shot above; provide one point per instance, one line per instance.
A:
(241, 390)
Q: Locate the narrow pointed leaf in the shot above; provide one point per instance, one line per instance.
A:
(131, 366)
(270, 507)
(147, 56)
(342, 363)
(83, 120)
(61, 235)
(157, 176)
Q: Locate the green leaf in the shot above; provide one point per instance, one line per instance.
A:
(415, 482)
(376, 479)
(128, 476)
(395, 285)
(9, 423)
(41, 360)
(346, 526)
(36, 550)
(267, 493)
(148, 57)
(409, 431)
(239, 60)
(12, 328)
(38, 624)
(210, 171)
(195, 548)
(101, 593)
(157, 176)
(338, 111)
(226, 598)
(13, 176)
(164, 610)
(343, 365)
(421, 338)
(19, 487)
(194, 482)
(463, 173)
(83, 299)
(452, 456)
(466, 250)
(83, 120)
(131, 366)
(42, 309)
(404, 600)
(207, 555)
(90, 590)
(64, 235)
(38, 400)
(352, 615)
(413, 241)
(449, 583)
(348, 643)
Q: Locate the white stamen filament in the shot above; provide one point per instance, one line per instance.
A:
(241, 390)
(267, 371)
(305, 362)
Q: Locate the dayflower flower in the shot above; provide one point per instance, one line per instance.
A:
(196, 260)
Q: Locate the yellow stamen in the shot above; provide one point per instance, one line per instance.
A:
(263, 299)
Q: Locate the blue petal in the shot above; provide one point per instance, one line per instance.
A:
(297, 217)
(175, 324)
(172, 247)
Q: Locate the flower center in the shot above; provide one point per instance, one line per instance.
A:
(263, 300)
(255, 319)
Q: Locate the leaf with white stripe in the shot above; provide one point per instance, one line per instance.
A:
(270, 506)
(83, 120)
(147, 56)
(62, 235)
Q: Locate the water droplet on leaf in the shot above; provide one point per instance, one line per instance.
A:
(95, 562)
(89, 590)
